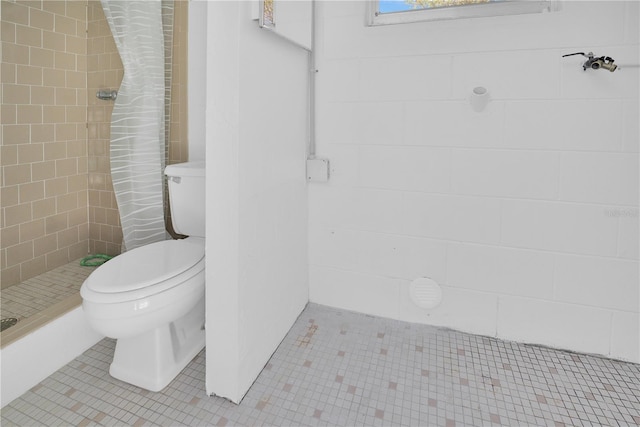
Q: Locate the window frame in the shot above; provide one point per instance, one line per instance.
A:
(480, 10)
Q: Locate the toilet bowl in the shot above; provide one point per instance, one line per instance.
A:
(151, 299)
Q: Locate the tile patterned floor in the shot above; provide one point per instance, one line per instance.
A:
(346, 369)
(38, 293)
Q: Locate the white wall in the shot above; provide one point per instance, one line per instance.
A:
(526, 213)
(256, 195)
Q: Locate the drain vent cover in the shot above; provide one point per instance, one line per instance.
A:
(425, 293)
(7, 323)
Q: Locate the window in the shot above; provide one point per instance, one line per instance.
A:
(383, 12)
(267, 19)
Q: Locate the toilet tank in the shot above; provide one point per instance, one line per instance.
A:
(186, 197)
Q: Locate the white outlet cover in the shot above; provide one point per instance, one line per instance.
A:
(317, 170)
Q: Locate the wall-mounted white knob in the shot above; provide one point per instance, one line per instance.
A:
(479, 98)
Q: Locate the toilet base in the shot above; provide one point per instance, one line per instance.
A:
(153, 359)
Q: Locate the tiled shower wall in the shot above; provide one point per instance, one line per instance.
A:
(178, 147)
(44, 150)
(57, 199)
(525, 213)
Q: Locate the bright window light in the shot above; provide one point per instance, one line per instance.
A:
(383, 12)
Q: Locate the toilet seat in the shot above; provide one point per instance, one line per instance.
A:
(145, 271)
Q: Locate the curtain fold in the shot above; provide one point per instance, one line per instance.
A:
(138, 120)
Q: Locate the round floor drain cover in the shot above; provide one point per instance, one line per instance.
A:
(425, 293)
(7, 323)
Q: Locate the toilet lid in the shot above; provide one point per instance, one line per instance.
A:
(146, 266)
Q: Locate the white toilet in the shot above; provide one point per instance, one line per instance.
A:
(151, 299)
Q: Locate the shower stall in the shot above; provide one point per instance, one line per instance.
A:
(58, 199)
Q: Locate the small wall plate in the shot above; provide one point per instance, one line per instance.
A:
(317, 170)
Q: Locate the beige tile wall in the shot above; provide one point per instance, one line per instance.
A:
(44, 156)
(56, 193)
(178, 147)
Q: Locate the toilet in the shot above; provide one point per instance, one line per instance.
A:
(151, 299)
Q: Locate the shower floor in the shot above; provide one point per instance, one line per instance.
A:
(41, 294)
(338, 368)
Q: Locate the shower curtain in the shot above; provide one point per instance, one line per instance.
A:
(138, 120)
